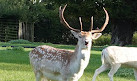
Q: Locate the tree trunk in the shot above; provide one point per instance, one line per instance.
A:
(26, 31)
(122, 32)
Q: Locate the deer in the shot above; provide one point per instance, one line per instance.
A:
(54, 64)
(114, 57)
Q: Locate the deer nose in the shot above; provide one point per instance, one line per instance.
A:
(86, 43)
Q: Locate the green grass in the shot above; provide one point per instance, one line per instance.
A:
(14, 64)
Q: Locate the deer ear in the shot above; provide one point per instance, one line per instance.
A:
(75, 33)
(96, 35)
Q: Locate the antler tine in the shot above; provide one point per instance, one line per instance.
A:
(105, 24)
(80, 23)
(62, 19)
(91, 24)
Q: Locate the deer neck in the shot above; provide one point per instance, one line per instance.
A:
(82, 53)
(80, 60)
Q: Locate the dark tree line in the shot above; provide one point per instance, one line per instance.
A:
(47, 28)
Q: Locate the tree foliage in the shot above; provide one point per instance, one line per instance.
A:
(44, 14)
(23, 10)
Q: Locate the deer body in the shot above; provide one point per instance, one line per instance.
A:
(62, 65)
(59, 63)
(114, 57)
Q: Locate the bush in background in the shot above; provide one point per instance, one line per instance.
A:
(18, 48)
(103, 40)
(134, 39)
(15, 48)
(20, 41)
(9, 48)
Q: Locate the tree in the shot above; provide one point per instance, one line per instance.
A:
(27, 12)
(123, 18)
(43, 14)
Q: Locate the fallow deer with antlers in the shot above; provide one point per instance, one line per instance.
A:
(62, 65)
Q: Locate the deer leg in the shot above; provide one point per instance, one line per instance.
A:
(113, 70)
(38, 76)
(100, 70)
(45, 79)
(64, 79)
(135, 74)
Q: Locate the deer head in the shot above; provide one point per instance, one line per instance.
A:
(84, 37)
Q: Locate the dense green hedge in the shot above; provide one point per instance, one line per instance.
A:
(103, 40)
(106, 40)
(134, 40)
(20, 41)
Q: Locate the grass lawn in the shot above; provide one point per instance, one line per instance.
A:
(14, 64)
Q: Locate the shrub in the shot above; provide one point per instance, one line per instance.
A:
(20, 41)
(103, 40)
(9, 48)
(18, 48)
(15, 48)
(134, 39)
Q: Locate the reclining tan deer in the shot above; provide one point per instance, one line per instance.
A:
(55, 64)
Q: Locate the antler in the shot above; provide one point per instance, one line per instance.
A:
(80, 23)
(105, 24)
(91, 24)
(63, 21)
